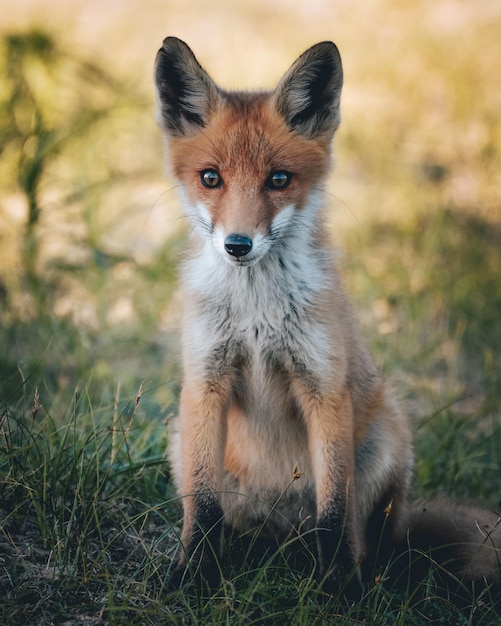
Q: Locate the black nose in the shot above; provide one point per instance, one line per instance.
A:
(238, 245)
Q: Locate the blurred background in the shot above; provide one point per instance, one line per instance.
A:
(90, 231)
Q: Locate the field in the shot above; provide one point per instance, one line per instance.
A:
(91, 234)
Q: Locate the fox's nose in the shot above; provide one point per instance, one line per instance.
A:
(238, 245)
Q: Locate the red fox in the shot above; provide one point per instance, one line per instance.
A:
(285, 424)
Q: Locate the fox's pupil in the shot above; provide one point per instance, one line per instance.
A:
(210, 178)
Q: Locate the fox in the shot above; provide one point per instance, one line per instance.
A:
(285, 426)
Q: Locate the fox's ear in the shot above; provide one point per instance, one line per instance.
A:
(308, 96)
(185, 92)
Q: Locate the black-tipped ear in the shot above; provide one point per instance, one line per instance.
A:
(186, 94)
(308, 96)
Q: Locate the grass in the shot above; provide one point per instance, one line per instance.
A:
(81, 521)
(88, 347)
(89, 527)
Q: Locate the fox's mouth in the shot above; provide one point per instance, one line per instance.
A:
(243, 262)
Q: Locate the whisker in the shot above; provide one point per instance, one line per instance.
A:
(342, 202)
(152, 206)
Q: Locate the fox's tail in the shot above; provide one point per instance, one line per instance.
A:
(462, 544)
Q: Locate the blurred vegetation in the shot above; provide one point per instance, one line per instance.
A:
(68, 290)
(40, 121)
(88, 361)
(431, 299)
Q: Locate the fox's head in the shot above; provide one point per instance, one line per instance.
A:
(251, 165)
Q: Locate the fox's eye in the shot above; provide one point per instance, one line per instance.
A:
(210, 178)
(278, 180)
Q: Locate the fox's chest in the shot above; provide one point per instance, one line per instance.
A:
(264, 329)
(262, 321)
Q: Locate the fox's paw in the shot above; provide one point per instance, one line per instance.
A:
(346, 585)
(201, 578)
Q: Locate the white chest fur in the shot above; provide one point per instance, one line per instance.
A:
(263, 312)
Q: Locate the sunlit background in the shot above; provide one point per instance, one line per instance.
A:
(90, 230)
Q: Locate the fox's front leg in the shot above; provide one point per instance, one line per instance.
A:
(329, 422)
(203, 412)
